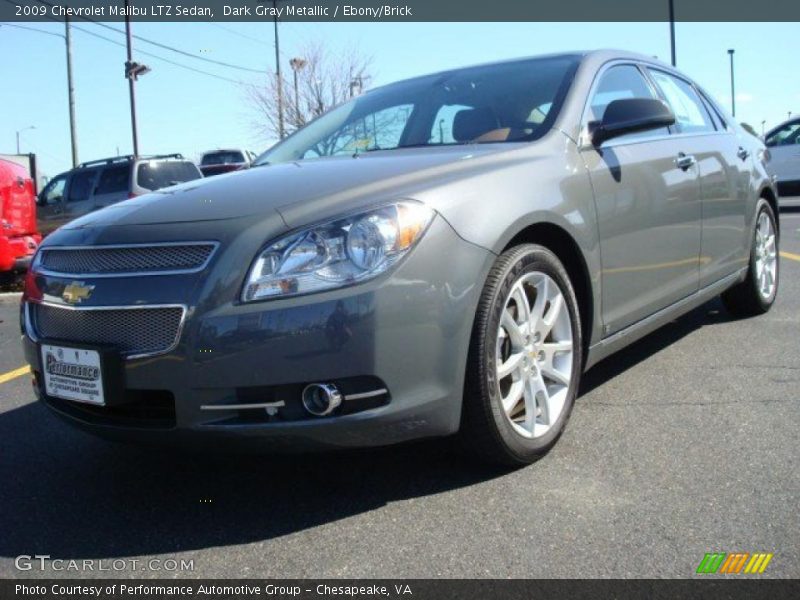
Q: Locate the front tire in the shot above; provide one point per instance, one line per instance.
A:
(525, 358)
(756, 294)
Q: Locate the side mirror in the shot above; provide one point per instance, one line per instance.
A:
(630, 115)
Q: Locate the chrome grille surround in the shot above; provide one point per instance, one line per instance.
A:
(137, 331)
(125, 260)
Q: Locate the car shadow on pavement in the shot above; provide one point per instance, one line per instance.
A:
(711, 313)
(69, 495)
(72, 496)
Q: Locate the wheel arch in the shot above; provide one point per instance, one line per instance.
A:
(566, 248)
(769, 195)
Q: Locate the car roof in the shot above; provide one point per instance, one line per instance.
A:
(587, 58)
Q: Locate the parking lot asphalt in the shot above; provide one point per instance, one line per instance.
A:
(684, 443)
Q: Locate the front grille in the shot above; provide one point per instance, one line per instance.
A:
(120, 260)
(134, 331)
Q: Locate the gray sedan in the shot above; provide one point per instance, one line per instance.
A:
(443, 255)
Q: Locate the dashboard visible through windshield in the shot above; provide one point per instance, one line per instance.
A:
(510, 102)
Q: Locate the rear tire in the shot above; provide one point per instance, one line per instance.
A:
(756, 294)
(525, 358)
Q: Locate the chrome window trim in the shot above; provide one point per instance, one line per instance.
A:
(30, 329)
(44, 271)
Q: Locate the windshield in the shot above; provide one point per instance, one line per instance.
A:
(509, 102)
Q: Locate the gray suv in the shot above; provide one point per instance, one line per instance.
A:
(100, 183)
(442, 255)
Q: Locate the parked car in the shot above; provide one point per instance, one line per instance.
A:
(784, 148)
(18, 236)
(217, 162)
(445, 254)
(100, 183)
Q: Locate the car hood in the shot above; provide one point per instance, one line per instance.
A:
(298, 191)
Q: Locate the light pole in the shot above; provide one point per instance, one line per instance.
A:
(733, 87)
(71, 94)
(297, 65)
(132, 72)
(672, 31)
(763, 127)
(20, 131)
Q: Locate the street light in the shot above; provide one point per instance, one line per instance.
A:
(20, 131)
(733, 88)
(297, 65)
(278, 78)
(133, 71)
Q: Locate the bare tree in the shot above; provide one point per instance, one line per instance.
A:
(326, 79)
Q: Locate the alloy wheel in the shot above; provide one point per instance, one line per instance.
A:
(766, 256)
(535, 353)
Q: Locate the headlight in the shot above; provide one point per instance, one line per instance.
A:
(339, 253)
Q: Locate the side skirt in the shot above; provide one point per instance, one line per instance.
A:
(608, 346)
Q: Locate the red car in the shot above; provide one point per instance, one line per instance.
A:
(19, 237)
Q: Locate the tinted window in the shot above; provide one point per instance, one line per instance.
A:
(155, 175)
(374, 131)
(80, 188)
(618, 83)
(716, 116)
(442, 130)
(500, 101)
(222, 158)
(54, 192)
(785, 136)
(114, 180)
(690, 113)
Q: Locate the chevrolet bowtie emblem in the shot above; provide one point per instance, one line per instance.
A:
(76, 292)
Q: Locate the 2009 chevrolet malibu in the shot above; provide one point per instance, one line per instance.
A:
(445, 254)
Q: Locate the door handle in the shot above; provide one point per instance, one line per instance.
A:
(742, 153)
(685, 161)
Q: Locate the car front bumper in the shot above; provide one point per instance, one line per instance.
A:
(406, 332)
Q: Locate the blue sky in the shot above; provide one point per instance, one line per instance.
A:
(183, 111)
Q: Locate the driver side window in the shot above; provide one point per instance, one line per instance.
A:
(54, 192)
(785, 136)
(617, 83)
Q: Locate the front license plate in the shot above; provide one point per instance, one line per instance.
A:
(73, 374)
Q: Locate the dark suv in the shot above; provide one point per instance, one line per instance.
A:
(97, 184)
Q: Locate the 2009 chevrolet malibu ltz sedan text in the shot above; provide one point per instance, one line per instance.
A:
(440, 255)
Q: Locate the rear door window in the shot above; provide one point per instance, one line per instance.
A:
(80, 188)
(690, 112)
(114, 180)
(154, 175)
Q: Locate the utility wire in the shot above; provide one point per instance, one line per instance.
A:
(241, 35)
(163, 46)
(116, 43)
(33, 29)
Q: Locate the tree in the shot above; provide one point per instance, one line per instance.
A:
(326, 79)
